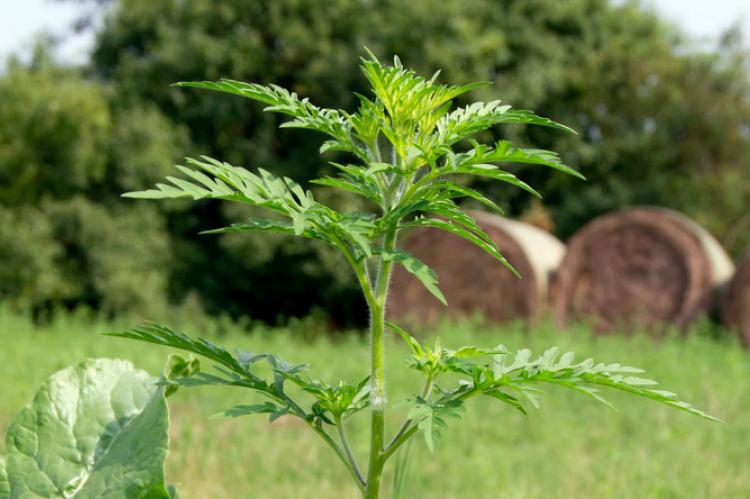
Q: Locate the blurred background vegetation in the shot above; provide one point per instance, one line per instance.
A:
(661, 121)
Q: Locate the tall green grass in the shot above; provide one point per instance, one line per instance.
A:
(571, 447)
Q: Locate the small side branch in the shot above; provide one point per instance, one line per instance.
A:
(426, 391)
(407, 431)
(342, 456)
(348, 450)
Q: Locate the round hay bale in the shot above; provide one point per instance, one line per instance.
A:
(474, 281)
(736, 301)
(640, 267)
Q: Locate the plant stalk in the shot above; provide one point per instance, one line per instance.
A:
(378, 394)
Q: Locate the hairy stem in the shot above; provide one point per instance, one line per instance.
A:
(378, 394)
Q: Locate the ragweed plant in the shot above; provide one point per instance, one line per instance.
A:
(407, 149)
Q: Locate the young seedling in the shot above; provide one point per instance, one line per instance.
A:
(407, 146)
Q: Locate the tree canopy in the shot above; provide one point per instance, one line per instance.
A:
(660, 121)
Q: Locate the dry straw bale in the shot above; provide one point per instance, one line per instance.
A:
(641, 267)
(472, 280)
(736, 301)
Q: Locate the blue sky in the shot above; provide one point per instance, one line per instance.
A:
(20, 20)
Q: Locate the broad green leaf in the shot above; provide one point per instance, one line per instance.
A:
(95, 430)
(4, 484)
(418, 269)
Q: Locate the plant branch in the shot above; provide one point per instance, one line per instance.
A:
(341, 454)
(426, 391)
(348, 450)
(360, 270)
(401, 438)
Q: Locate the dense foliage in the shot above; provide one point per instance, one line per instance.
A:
(66, 238)
(660, 122)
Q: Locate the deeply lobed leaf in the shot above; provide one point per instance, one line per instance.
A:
(404, 137)
(432, 417)
(520, 373)
(417, 268)
(306, 115)
(238, 370)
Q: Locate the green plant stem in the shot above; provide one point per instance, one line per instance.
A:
(348, 450)
(407, 424)
(341, 455)
(400, 440)
(378, 394)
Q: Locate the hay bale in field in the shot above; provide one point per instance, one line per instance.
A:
(472, 280)
(736, 301)
(641, 267)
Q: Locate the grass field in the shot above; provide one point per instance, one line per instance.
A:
(571, 448)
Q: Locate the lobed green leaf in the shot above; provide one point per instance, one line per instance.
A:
(244, 410)
(488, 247)
(431, 417)
(417, 268)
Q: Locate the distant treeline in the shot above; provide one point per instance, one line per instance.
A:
(661, 122)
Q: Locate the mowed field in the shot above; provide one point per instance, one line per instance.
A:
(572, 447)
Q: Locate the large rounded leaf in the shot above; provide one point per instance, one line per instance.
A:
(96, 430)
(4, 485)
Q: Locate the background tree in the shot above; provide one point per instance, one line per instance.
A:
(661, 121)
(65, 155)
